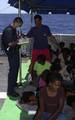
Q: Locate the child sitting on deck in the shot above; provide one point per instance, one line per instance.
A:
(40, 65)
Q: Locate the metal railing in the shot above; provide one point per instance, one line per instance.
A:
(26, 49)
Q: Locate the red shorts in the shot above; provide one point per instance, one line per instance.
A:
(45, 52)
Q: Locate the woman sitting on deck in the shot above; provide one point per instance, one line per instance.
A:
(51, 100)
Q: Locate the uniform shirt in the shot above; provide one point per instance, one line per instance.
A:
(9, 35)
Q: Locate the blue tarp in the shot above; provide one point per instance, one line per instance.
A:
(45, 6)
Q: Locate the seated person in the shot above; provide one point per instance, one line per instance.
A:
(61, 46)
(71, 100)
(40, 65)
(55, 66)
(28, 97)
(51, 100)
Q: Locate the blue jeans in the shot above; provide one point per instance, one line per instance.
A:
(61, 116)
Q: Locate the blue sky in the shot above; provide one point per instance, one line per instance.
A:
(6, 8)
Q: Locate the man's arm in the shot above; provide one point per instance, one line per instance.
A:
(53, 42)
(51, 38)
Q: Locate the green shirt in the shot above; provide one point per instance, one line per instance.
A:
(39, 68)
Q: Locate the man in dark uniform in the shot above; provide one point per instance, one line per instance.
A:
(9, 41)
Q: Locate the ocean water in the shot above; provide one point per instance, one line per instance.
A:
(58, 23)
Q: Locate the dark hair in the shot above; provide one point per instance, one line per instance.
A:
(62, 44)
(41, 57)
(18, 19)
(53, 76)
(55, 65)
(37, 16)
(45, 74)
(72, 45)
